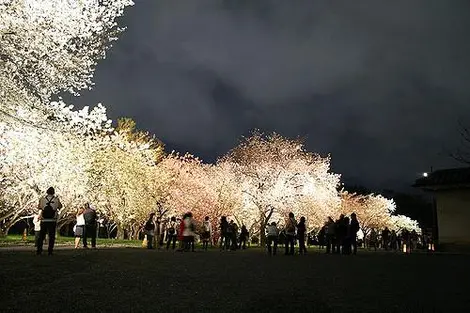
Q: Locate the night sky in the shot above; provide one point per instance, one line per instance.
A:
(381, 85)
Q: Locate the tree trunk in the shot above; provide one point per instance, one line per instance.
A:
(120, 232)
(262, 230)
(262, 235)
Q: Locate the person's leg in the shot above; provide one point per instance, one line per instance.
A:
(303, 248)
(269, 243)
(42, 236)
(275, 242)
(174, 241)
(37, 235)
(86, 233)
(292, 244)
(286, 245)
(92, 234)
(227, 242)
(51, 233)
(149, 241)
(192, 240)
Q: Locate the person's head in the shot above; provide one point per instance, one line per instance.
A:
(291, 215)
(50, 191)
(152, 215)
(206, 218)
(353, 216)
(330, 219)
(302, 219)
(190, 214)
(273, 224)
(223, 219)
(173, 219)
(341, 216)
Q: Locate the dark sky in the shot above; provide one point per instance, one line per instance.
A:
(380, 85)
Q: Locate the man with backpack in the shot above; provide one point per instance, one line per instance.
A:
(49, 206)
(90, 226)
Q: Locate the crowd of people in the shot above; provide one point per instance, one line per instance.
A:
(338, 237)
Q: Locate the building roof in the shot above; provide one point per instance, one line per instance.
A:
(454, 178)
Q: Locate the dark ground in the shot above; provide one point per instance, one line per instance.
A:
(138, 280)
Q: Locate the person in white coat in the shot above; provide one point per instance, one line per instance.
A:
(188, 232)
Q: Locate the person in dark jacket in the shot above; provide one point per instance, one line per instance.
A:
(224, 236)
(346, 245)
(90, 226)
(243, 237)
(341, 230)
(354, 228)
(301, 231)
(330, 227)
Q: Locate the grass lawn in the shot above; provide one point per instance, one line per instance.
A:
(139, 280)
(16, 240)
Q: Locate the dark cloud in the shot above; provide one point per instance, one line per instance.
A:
(378, 84)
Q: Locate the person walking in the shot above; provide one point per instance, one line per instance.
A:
(79, 228)
(301, 232)
(291, 225)
(90, 226)
(48, 206)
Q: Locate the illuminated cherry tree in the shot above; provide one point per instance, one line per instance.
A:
(33, 159)
(400, 222)
(48, 46)
(373, 211)
(275, 174)
(120, 179)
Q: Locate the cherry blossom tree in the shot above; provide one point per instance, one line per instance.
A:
(33, 158)
(400, 222)
(48, 46)
(275, 174)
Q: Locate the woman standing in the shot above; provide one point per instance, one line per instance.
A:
(79, 227)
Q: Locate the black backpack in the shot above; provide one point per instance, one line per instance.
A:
(48, 211)
(90, 217)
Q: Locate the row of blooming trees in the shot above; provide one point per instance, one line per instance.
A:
(52, 46)
(126, 175)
